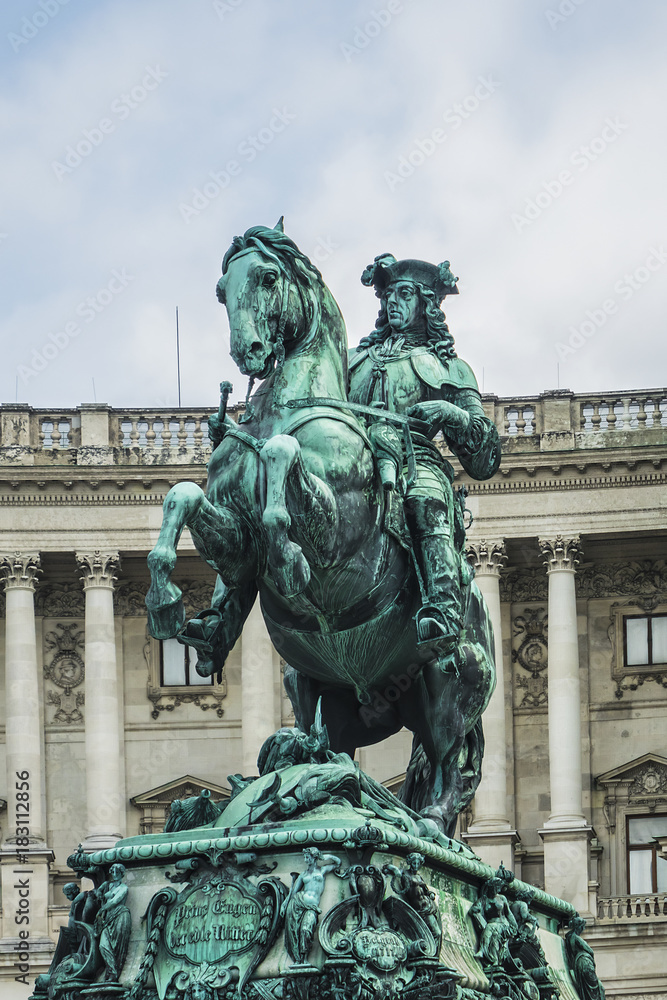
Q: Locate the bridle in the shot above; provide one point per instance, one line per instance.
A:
(279, 340)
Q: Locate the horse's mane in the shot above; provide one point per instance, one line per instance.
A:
(279, 248)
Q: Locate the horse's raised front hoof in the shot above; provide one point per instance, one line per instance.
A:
(166, 612)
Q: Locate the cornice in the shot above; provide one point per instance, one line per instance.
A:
(563, 485)
(67, 498)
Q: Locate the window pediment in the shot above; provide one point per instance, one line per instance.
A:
(156, 802)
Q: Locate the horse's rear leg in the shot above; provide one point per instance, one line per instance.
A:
(281, 456)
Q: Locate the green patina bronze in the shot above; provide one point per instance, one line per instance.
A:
(331, 501)
(345, 520)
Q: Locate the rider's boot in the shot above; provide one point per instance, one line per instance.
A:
(439, 620)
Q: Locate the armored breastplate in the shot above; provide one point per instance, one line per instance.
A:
(404, 377)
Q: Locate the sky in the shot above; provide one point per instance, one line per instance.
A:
(523, 140)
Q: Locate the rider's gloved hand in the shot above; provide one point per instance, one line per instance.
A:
(444, 416)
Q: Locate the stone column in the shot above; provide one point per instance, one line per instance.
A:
(24, 857)
(257, 688)
(491, 834)
(103, 788)
(566, 834)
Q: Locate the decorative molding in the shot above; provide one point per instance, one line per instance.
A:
(156, 803)
(197, 596)
(167, 699)
(629, 678)
(123, 498)
(130, 596)
(640, 782)
(522, 587)
(19, 571)
(60, 600)
(650, 782)
(530, 654)
(487, 557)
(561, 484)
(98, 569)
(66, 671)
(163, 700)
(645, 579)
(560, 553)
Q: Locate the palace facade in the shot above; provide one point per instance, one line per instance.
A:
(101, 726)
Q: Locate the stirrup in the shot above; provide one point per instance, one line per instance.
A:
(434, 630)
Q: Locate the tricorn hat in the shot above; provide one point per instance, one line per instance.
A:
(386, 270)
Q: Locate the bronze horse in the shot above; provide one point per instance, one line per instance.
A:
(295, 510)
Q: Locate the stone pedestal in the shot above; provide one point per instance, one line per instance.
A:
(24, 876)
(103, 789)
(566, 864)
(493, 848)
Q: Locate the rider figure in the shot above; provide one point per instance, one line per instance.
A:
(408, 363)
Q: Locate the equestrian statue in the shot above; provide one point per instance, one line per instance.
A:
(331, 501)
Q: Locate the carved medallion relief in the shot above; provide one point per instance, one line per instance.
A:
(64, 673)
(529, 654)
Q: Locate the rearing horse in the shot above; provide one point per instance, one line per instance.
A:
(295, 510)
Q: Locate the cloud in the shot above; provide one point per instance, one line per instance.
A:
(354, 120)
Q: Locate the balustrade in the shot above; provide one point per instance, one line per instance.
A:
(157, 432)
(623, 412)
(519, 420)
(55, 432)
(651, 907)
(181, 436)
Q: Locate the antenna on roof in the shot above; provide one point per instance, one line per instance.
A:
(94, 393)
(178, 359)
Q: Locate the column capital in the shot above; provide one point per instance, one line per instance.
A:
(19, 571)
(98, 568)
(487, 556)
(561, 553)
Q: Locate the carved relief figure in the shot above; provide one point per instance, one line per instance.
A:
(113, 922)
(495, 923)
(408, 883)
(302, 906)
(582, 962)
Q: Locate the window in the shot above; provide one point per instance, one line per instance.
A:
(177, 665)
(644, 640)
(647, 870)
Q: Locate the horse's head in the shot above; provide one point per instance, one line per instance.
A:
(267, 286)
